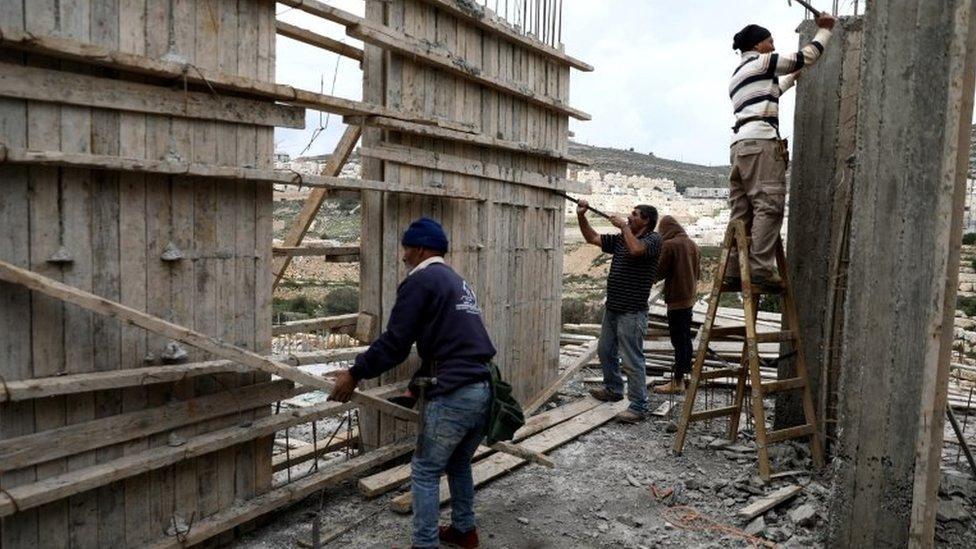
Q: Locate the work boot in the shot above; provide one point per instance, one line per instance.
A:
(768, 284)
(605, 395)
(673, 387)
(453, 538)
(630, 416)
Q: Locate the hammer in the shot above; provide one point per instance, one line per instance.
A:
(805, 4)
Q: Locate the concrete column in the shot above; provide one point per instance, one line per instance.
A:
(912, 155)
(824, 131)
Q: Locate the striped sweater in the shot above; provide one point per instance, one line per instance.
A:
(760, 80)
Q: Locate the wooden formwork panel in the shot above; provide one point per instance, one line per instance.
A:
(111, 231)
(507, 245)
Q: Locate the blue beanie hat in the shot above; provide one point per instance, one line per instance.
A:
(425, 233)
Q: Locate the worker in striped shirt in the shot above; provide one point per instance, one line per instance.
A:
(759, 157)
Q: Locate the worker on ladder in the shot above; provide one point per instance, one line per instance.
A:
(436, 309)
(759, 156)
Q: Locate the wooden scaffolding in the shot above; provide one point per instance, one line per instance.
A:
(136, 146)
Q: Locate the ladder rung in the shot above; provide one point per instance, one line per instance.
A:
(726, 331)
(714, 412)
(721, 372)
(783, 385)
(774, 337)
(789, 433)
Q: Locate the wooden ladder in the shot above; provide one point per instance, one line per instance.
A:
(736, 238)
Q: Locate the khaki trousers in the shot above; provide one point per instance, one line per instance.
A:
(757, 194)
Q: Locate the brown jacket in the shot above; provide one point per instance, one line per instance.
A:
(679, 265)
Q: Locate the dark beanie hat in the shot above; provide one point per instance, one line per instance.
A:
(425, 233)
(747, 38)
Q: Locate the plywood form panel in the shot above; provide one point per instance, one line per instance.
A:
(115, 228)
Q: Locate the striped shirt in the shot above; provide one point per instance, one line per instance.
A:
(757, 85)
(630, 279)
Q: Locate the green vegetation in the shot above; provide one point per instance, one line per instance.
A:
(300, 305)
(341, 301)
(966, 305)
(969, 239)
(770, 303)
(730, 300)
(577, 310)
(710, 252)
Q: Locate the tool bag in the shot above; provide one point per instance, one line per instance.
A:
(506, 415)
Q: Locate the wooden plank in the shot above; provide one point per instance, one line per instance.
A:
(55, 488)
(469, 166)
(500, 464)
(482, 139)
(335, 254)
(442, 59)
(384, 481)
(80, 437)
(301, 223)
(89, 91)
(314, 39)
(276, 499)
(28, 389)
(223, 173)
(568, 373)
(316, 324)
(324, 11)
(308, 451)
(478, 16)
(766, 503)
(222, 78)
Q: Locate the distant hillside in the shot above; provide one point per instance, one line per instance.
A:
(683, 174)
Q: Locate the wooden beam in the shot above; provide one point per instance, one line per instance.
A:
(499, 464)
(316, 324)
(280, 497)
(92, 54)
(218, 172)
(332, 254)
(318, 40)
(54, 86)
(484, 140)
(767, 502)
(77, 438)
(26, 389)
(306, 451)
(74, 482)
(468, 166)
(444, 60)
(384, 481)
(325, 11)
(301, 222)
(112, 309)
(589, 351)
(473, 14)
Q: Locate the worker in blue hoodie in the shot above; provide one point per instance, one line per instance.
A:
(436, 309)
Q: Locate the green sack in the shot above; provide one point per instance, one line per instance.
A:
(506, 413)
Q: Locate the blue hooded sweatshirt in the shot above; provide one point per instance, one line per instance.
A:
(436, 309)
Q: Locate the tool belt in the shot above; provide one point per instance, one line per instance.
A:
(783, 145)
(506, 414)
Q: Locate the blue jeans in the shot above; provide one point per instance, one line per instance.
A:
(455, 425)
(622, 340)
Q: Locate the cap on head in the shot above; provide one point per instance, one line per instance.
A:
(747, 38)
(425, 233)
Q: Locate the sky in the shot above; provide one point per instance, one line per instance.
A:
(660, 84)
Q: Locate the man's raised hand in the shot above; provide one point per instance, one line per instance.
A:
(581, 207)
(826, 21)
(618, 221)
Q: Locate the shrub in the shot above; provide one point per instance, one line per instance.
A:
(966, 305)
(730, 300)
(969, 239)
(341, 301)
(770, 304)
(300, 304)
(574, 311)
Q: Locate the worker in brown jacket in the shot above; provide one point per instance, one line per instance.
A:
(680, 268)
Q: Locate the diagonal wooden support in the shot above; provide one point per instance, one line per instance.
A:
(310, 209)
(112, 309)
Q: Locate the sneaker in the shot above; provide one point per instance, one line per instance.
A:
(670, 388)
(453, 538)
(630, 416)
(605, 395)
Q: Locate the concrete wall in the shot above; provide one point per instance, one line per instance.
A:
(906, 219)
(820, 190)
